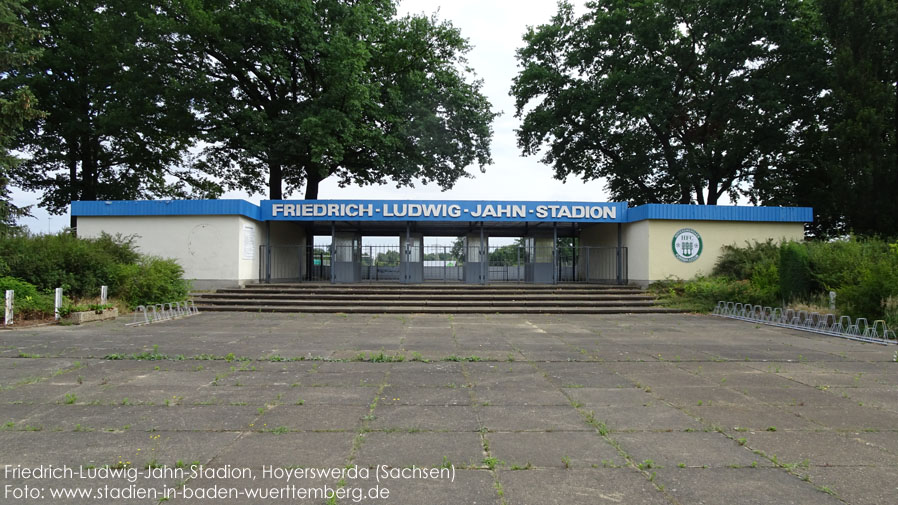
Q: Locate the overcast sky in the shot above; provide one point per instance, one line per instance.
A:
(494, 28)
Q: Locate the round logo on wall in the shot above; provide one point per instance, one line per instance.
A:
(687, 245)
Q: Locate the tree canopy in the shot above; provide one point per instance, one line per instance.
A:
(114, 128)
(18, 48)
(302, 91)
(848, 168)
(678, 101)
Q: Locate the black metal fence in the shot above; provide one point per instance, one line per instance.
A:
(510, 263)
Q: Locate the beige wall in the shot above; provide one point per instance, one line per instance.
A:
(288, 241)
(651, 257)
(599, 235)
(209, 248)
(636, 240)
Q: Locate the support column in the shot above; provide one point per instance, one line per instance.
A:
(476, 258)
(268, 252)
(620, 259)
(555, 264)
(411, 257)
(485, 258)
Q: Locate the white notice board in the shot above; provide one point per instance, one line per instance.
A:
(249, 241)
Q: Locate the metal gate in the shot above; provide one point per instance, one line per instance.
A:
(508, 263)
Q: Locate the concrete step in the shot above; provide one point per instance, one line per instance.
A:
(438, 309)
(432, 291)
(426, 296)
(432, 298)
(438, 285)
(424, 302)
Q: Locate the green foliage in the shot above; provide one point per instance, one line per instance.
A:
(29, 301)
(671, 101)
(794, 271)
(149, 280)
(68, 308)
(78, 265)
(18, 48)
(37, 264)
(117, 119)
(702, 293)
(741, 262)
(388, 258)
(508, 255)
(303, 91)
(862, 272)
(848, 167)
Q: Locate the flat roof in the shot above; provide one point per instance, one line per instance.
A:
(454, 214)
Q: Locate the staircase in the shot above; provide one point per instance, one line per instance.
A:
(384, 298)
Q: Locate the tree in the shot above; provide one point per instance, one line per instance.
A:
(302, 91)
(508, 255)
(671, 100)
(849, 171)
(388, 258)
(18, 48)
(116, 124)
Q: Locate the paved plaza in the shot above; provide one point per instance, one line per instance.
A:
(437, 409)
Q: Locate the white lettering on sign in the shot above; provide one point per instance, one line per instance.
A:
(480, 211)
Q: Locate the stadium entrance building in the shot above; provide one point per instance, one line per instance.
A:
(229, 242)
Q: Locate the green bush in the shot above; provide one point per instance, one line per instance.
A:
(150, 280)
(79, 266)
(702, 293)
(742, 262)
(862, 272)
(28, 301)
(794, 272)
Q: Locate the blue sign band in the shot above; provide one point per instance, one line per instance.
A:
(442, 210)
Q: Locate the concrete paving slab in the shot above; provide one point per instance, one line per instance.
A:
(593, 398)
(523, 394)
(98, 448)
(469, 487)
(532, 418)
(885, 398)
(803, 395)
(707, 395)
(858, 418)
(145, 418)
(858, 485)
(886, 440)
(313, 417)
(830, 400)
(579, 487)
(296, 449)
(559, 450)
(418, 395)
(424, 449)
(825, 448)
(647, 417)
(425, 418)
(735, 419)
(749, 486)
(689, 449)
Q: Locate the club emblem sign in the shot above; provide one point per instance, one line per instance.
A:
(687, 245)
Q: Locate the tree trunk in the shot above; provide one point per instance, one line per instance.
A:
(74, 195)
(685, 194)
(275, 182)
(312, 181)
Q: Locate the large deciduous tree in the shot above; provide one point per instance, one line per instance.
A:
(18, 48)
(116, 126)
(298, 91)
(849, 168)
(673, 101)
